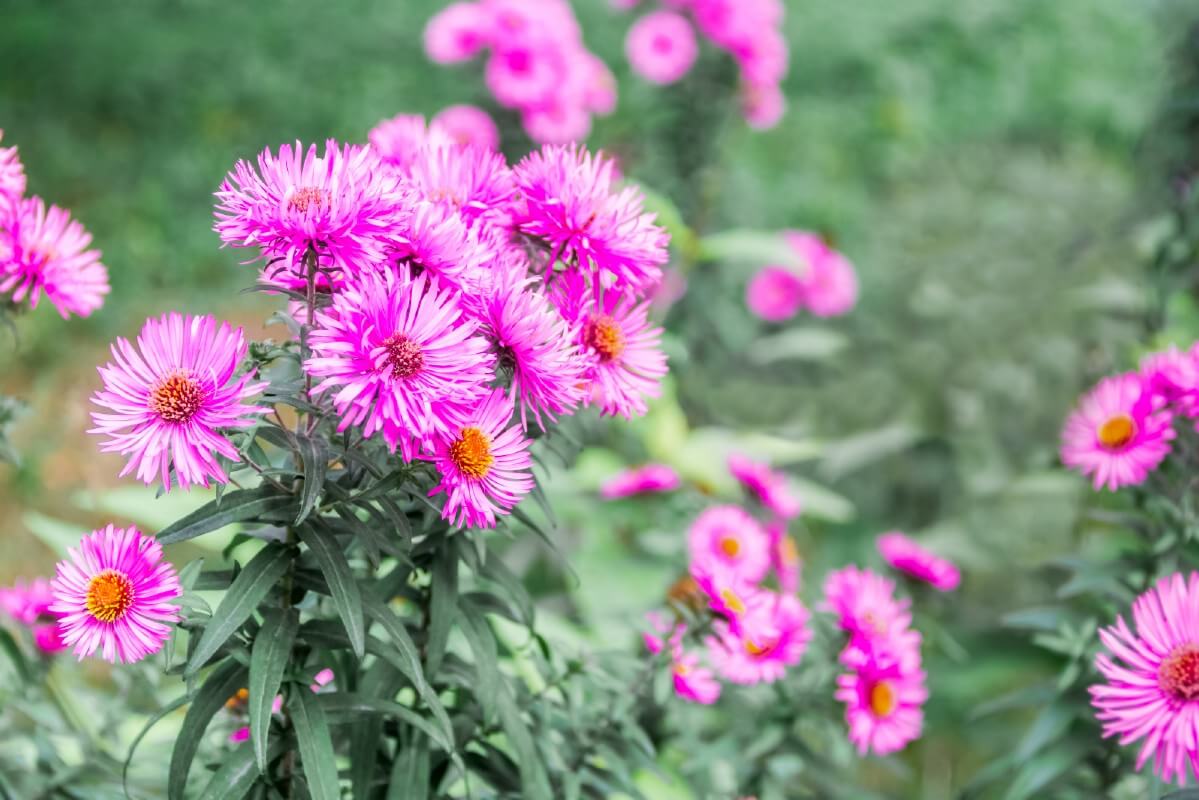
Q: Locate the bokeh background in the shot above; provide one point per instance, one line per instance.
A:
(994, 168)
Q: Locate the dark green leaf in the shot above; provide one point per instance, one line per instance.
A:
(381, 681)
(238, 506)
(342, 707)
(443, 605)
(534, 782)
(342, 587)
(237, 773)
(487, 669)
(410, 773)
(268, 659)
(316, 745)
(316, 462)
(222, 683)
(10, 648)
(170, 707)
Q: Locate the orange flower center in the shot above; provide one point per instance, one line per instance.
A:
(604, 336)
(1179, 673)
(882, 699)
(732, 602)
(109, 596)
(759, 649)
(471, 453)
(239, 700)
(306, 197)
(680, 668)
(730, 546)
(404, 356)
(177, 398)
(1117, 431)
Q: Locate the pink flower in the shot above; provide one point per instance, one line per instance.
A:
(468, 125)
(661, 47)
(829, 285)
(1151, 687)
(394, 353)
(395, 141)
(866, 607)
(322, 679)
(646, 479)
(662, 632)
(12, 182)
(726, 537)
(907, 556)
(598, 90)
(484, 464)
(884, 697)
(774, 294)
(343, 204)
(524, 74)
(768, 486)
(240, 735)
(1173, 376)
(113, 595)
(47, 639)
(693, 681)
(773, 634)
(168, 402)
(470, 181)
(557, 123)
(434, 241)
(570, 204)
(729, 592)
(784, 557)
(1114, 435)
(44, 253)
(456, 33)
(27, 602)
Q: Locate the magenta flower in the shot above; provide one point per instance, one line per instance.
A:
(768, 486)
(729, 592)
(524, 73)
(784, 557)
(884, 697)
(774, 294)
(29, 605)
(484, 464)
(471, 181)
(468, 125)
(829, 286)
(114, 595)
(396, 141)
(167, 403)
(693, 681)
(395, 353)
(1173, 376)
(557, 123)
(456, 33)
(43, 253)
(435, 242)
(773, 634)
(12, 183)
(646, 479)
(343, 205)
(1115, 435)
(866, 606)
(597, 88)
(321, 679)
(909, 557)
(1151, 688)
(570, 204)
(726, 537)
(661, 47)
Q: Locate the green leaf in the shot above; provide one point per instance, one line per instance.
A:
(245, 593)
(410, 773)
(347, 598)
(494, 569)
(481, 640)
(316, 461)
(237, 773)
(316, 745)
(157, 717)
(268, 659)
(222, 683)
(238, 506)
(443, 605)
(342, 707)
(534, 782)
(10, 648)
(382, 681)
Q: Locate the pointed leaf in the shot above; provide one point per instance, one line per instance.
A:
(443, 605)
(316, 745)
(238, 506)
(222, 683)
(237, 773)
(268, 659)
(316, 462)
(342, 587)
(410, 773)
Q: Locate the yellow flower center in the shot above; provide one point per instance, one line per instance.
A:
(732, 602)
(680, 668)
(604, 336)
(882, 699)
(306, 197)
(730, 546)
(1117, 431)
(471, 453)
(759, 649)
(1179, 673)
(109, 596)
(404, 356)
(177, 398)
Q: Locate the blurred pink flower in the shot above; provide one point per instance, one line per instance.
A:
(769, 487)
(397, 140)
(773, 635)
(692, 681)
(1173, 376)
(661, 47)
(645, 479)
(456, 33)
(884, 697)
(866, 607)
(557, 123)
(321, 679)
(12, 182)
(829, 286)
(467, 125)
(727, 537)
(27, 602)
(784, 557)
(907, 556)
(774, 294)
(729, 593)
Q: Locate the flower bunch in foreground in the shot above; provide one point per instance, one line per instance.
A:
(824, 283)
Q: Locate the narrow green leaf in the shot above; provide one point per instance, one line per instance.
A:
(381, 681)
(341, 707)
(443, 605)
(247, 590)
(481, 640)
(236, 506)
(316, 745)
(222, 683)
(157, 717)
(410, 773)
(268, 659)
(237, 773)
(535, 784)
(494, 569)
(10, 648)
(342, 587)
(316, 462)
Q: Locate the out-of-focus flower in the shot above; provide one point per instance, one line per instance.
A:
(467, 125)
(12, 182)
(784, 558)
(909, 557)
(646, 479)
(396, 140)
(774, 294)
(866, 606)
(29, 605)
(884, 697)
(456, 33)
(763, 106)
(772, 635)
(1173, 376)
(661, 47)
(728, 538)
(693, 681)
(729, 593)
(322, 679)
(768, 486)
(829, 286)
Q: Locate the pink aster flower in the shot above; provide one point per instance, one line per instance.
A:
(114, 593)
(484, 464)
(557, 122)
(598, 84)
(342, 204)
(768, 486)
(662, 632)
(729, 592)
(1114, 435)
(394, 353)
(866, 606)
(784, 557)
(167, 403)
(726, 537)
(646, 479)
(395, 141)
(774, 294)
(1151, 688)
(570, 204)
(524, 73)
(661, 47)
(29, 605)
(907, 556)
(692, 680)
(773, 634)
(435, 241)
(469, 180)
(467, 125)
(884, 697)
(829, 285)
(456, 33)
(12, 182)
(1173, 376)
(44, 253)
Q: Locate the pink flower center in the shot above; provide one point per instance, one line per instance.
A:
(518, 61)
(604, 336)
(730, 546)
(306, 197)
(471, 453)
(109, 596)
(177, 398)
(882, 699)
(1179, 673)
(1117, 431)
(663, 44)
(404, 356)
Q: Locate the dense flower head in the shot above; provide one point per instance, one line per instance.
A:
(728, 537)
(113, 594)
(1150, 692)
(12, 182)
(884, 696)
(397, 355)
(909, 557)
(472, 181)
(45, 253)
(769, 487)
(168, 403)
(467, 125)
(828, 284)
(434, 241)
(1172, 376)
(661, 47)
(342, 205)
(396, 140)
(484, 463)
(771, 636)
(866, 606)
(1117, 435)
(646, 479)
(29, 605)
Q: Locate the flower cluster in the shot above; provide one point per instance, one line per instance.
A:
(1123, 428)
(826, 286)
(537, 62)
(28, 605)
(661, 47)
(43, 252)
